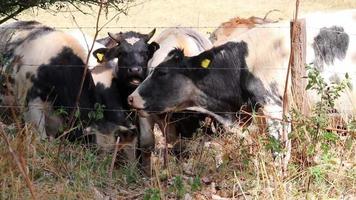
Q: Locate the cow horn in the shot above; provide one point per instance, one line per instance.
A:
(150, 35)
(115, 37)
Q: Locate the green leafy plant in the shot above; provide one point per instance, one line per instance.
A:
(98, 112)
(152, 194)
(195, 184)
(178, 187)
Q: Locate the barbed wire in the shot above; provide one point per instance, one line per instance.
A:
(166, 27)
(140, 27)
(190, 68)
(132, 110)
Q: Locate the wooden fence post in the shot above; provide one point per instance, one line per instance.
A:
(298, 71)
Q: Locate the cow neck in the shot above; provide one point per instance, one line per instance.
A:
(222, 111)
(223, 105)
(124, 91)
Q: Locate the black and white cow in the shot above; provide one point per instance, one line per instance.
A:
(130, 52)
(108, 94)
(45, 67)
(177, 124)
(219, 81)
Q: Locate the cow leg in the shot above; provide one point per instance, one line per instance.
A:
(146, 142)
(130, 150)
(36, 116)
(168, 129)
(279, 131)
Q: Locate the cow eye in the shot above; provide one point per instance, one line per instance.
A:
(160, 73)
(143, 53)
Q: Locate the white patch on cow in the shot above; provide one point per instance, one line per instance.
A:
(36, 115)
(106, 142)
(86, 42)
(130, 150)
(132, 40)
(146, 132)
(178, 38)
(102, 75)
(279, 130)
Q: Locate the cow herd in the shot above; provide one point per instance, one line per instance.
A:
(126, 84)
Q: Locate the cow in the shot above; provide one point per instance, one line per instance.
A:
(108, 93)
(45, 68)
(131, 51)
(178, 124)
(252, 70)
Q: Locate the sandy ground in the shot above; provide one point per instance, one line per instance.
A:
(205, 15)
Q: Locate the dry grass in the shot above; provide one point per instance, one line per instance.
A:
(226, 165)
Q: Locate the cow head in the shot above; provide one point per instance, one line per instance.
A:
(133, 52)
(170, 86)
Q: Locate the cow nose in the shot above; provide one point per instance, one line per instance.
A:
(130, 100)
(135, 101)
(135, 70)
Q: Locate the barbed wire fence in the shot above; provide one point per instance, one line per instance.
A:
(270, 26)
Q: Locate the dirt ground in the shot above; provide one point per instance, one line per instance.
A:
(206, 14)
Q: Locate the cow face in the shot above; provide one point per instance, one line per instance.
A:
(170, 86)
(133, 53)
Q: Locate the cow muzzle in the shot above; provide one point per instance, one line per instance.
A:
(135, 81)
(136, 75)
(136, 102)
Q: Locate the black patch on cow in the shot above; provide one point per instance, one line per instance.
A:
(25, 25)
(28, 75)
(59, 81)
(114, 103)
(274, 94)
(330, 44)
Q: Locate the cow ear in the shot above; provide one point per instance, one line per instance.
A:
(205, 63)
(99, 54)
(152, 48)
(203, 60)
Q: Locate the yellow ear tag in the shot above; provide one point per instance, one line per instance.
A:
(205, 63)
(100, 57)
